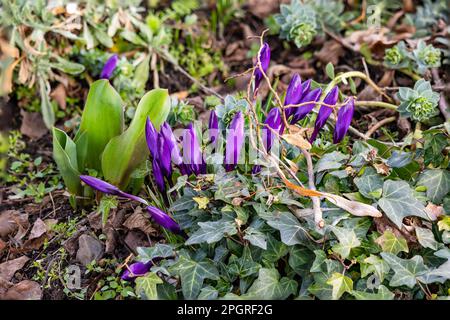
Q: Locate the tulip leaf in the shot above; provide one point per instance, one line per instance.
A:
(65, 155)
(126, 152)
(102, 120)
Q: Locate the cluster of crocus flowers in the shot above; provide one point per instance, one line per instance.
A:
(159, 216)
(109, 67)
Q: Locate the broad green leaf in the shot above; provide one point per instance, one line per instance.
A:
(442, 271)
(376, 265)
(370, 184)
(382, 294)
(391, 244)
(256, 237)
(193, 273)
(103, 37)
(48, 114)
(268, 286)
(347, 241)
(398, 202)
(299, 257)
(332, 160)
(243, 266)
(406, 270)
(340, 284)
(159, 250)
(126, 152)
(437, 182)
(208, 293)
(146, 285)
(275, 249)
(166, 291)
(212, 231)
(65, 155)
(426, 238)
(291, 231)
(141, 74)
(101, 121)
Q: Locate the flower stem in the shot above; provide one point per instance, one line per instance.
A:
(379, 104)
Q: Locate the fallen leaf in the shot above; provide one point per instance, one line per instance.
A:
(135, 239)
(24, 290)
(297, 140)
(262, 8)
(382, 168)
(300, 190)
(9, 268)
(434, 211)
(39, 228)
(33, 125)
(2, 245)
(11, 221)
(356, 208)
(59, 95)
(139, 220)
(331, 51)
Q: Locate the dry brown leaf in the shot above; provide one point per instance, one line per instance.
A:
(39, 229)
(292, 165)
(32, 125)
(434, 211)
(382, 168)
(300, 190)
(6, 76)
(7, 49)
(9, 268)
(59, 95)
(331, 51)
(11, 221)
(24, 290)
(356, 208)
(139, 220)
(297, 140)
(2, 245)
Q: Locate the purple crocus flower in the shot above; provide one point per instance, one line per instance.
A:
(109, 67)
(164, 157)
(274, 121)
(213, 128)
(192, 153)
(264, 57)
(163, 219)
(158, 175)
(151, 136)
(324, 112)
(344, 118)
(137, 269)
(234, 142)
(293, 93)
(171, 142)
(108, 188)
(302, 111)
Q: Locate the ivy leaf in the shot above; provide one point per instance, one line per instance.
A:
(376, 265)
(146, 285)
(391, 244)
(193, 273)
(398, 202)
(268, 286)
(442, 271)
(332, 160)
(275, 250)
(340, 284)
(347, 241)
(212, 231)
(208, 293)
(406, 270)
(437, 182)
(426, 238)
(256, 238)
(159, 250)
(106, 204)
(382, 294)
(291, 232)
(202, 202)
(399, 159)
(370, 184)
(298, 257)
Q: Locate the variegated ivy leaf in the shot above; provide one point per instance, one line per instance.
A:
(426, 238)
(208, 293)
(437, 182)
(256, 237)
(268, 286)
(370, 184)
(202, 202)
(376, 265)
(443, 271)
(159, 250)
(291, 231)
(407, 271)
(398, 202)
(340, 284)
(382, 294)
(146, 285)
(329, 161)
(193, 273)
(347, 241)
(212, 231)
(391, 244)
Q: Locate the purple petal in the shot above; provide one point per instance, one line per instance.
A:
(302, 111)
(256, 169)
(293, 93)
(234, 142)
(158, 175)
(108, 188)
(192, 154)
(324, 112)
(274, 121)
(171, 142)
(137, 269)
(213, 128)
(306, 86)
(344, 118)
(151, 136)
(109, 67)
(163, 219)
(164, 158)
(264, 57)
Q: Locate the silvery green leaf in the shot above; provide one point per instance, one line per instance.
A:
(347, 241)
(399, 159)
(256, 237)
(382, 294)
(437, 182)
(333, 160)
(212, 231)
(406, 270)
(159, 250)
(208, 293)
(398, 202)
(291, 231)
(376, 265)
(443, 271)
(48, 114)
(88, 37)
(268, 286)
(299, 257)
(426, 238)
(369, 183)
(146, 286)
(340, 284)
(103, 38)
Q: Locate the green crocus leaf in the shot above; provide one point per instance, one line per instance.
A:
(102, 120)
(65, 155)
(126, 152)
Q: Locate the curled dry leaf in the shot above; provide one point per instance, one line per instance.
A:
(354, 207)
(24, 290)
(434, 211)
(33, 125)
(9, 268)
(297, 140)
(12, 221)
(140, 220)
(59, 95)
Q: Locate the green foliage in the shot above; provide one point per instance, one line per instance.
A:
(419, 103)
(426, 57)
(397, 57)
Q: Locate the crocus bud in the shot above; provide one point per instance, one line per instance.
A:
(344, 118)
(137, 269)
(293, 94)
(163, 219)
(108, 188)
(324, 112)
(213, 128)
(264, 57)
(158, 175)
(192, 154)
(306, 87)
(164, 160)
(109, 67)
(171, 142)
(151, 136)
(234, 142)
(302, 111)
(274, 121)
